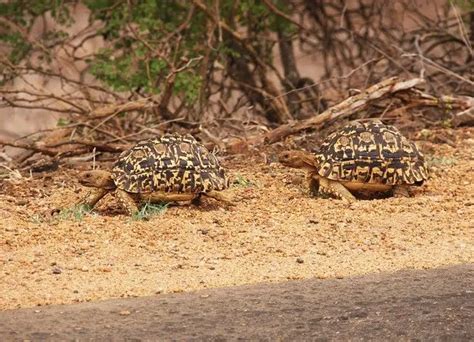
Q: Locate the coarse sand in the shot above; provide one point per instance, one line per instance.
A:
(275, 233)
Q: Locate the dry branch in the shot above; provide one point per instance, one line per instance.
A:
(105, 111)
(279, 105)
(56, 154)
(32, 147)
(98, 146)
(465, 117)
(356, 103)
(343, 109)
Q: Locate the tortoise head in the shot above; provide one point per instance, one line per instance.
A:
(97, 179)
(298, 159)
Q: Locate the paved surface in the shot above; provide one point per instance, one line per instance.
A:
(424, 305)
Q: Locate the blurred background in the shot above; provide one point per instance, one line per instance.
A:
(219, 68)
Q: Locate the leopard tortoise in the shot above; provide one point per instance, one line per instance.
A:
(363, 156)
(172, 168)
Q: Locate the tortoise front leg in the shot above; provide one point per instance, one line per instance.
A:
(401, 190)
(335, 188)
(127, 201)
(313, 182)
(92, 198)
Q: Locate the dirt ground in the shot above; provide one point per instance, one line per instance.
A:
(275, 233)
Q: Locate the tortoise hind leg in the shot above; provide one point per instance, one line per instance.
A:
(219, 197)
(401, 190)
(336, 189)
(127, 201)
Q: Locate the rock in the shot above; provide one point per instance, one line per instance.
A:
(57, 270)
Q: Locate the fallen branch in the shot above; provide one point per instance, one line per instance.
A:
(105, 111)
(31, 147)
(52, 150)
(352, 105)
(346, 108)
(100, 147)
(465, 118)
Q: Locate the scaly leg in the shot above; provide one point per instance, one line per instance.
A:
(336, 189)
(127, 201)
(313, 182)
(219, 197)
(401, 190)
(94, 197)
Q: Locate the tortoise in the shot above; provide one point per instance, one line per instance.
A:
(363, 156)
(171, 168)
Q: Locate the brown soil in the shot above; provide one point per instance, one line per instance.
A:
(274, 233)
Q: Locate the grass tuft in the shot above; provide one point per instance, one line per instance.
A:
(243, 182)
(77, 212)
(148, 210)
(440, 161)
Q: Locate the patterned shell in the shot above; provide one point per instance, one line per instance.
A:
(172, 163)
(371, 152)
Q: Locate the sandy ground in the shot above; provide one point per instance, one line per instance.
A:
(273, 234)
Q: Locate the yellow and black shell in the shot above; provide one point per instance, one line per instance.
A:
(371, 152)
(172, 163)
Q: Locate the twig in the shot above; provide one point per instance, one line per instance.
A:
(349, 74)
(279, 13)
(105, 111)
(32, 147)
(439, 67)
(345, 108)
(95, 145)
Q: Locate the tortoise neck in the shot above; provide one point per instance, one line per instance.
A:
(103, 179)
(109, 183)
(308, 160)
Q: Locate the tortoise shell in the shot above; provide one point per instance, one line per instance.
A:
(171, 163)
(371, 152)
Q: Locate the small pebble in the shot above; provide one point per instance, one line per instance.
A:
(299, 260)
(22, 202)
(124, 313)
(57, 270)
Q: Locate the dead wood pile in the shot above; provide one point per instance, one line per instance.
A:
(76, 144)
